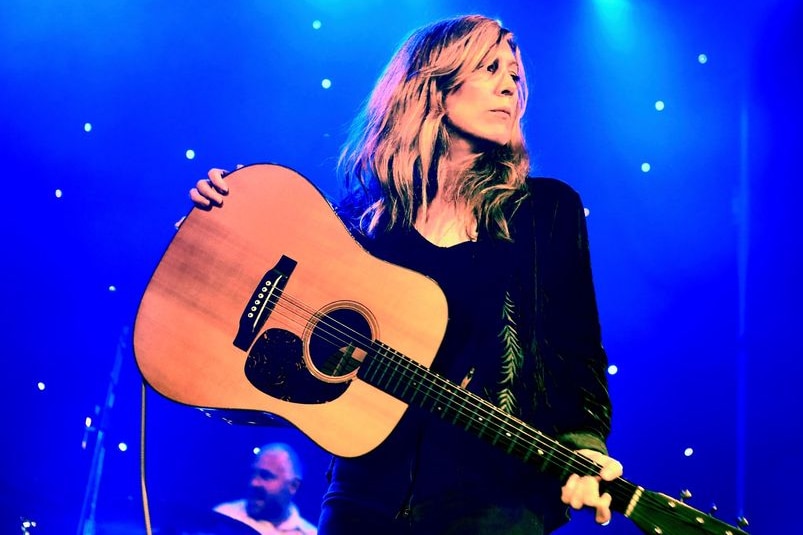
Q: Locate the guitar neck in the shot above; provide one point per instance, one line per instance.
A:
(416, 385)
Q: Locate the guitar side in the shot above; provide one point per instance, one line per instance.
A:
(192, 308)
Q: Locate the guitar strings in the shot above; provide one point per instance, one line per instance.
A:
(338, 333)
(619, 489)
(341, 335)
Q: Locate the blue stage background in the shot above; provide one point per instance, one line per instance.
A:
(112, 110)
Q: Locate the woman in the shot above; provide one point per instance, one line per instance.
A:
(436, 181)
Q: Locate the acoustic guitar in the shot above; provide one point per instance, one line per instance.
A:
(269, 306)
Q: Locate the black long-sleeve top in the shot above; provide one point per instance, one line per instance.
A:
(524, 333)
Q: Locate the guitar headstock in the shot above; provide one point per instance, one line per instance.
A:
(658, 514)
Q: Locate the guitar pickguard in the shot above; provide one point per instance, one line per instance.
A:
(334, 338)
(275, 365)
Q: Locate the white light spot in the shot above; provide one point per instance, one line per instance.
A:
(659, 105)
(122, 446)
(586, 211)
(326, 83)
(688, 452)
(613, 369)
(190, 154)
(40, 385)
(88, 422)
(87, 127)
(255, 450)
(702, 59)
(645, 167)
(59, 193)
(112, 288)
(316, 24)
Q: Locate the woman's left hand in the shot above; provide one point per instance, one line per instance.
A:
(583, 491)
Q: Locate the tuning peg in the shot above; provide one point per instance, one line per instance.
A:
(685, 494)
(713, 509)
(743, 523)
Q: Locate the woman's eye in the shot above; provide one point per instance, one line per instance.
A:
(493, 66)
(516, 78)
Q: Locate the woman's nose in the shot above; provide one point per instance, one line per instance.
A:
(507, 86)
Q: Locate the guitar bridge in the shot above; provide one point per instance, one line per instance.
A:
(260, 306)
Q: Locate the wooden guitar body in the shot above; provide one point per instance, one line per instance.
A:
(204, 287)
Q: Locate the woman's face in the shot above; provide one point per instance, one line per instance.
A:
(484, 108)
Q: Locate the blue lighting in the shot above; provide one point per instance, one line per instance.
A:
(616, 19)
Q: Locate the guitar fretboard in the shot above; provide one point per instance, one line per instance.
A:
(416, 385)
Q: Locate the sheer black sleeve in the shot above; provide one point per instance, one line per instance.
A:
(576, 395)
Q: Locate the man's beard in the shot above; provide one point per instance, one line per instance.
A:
(263, 506)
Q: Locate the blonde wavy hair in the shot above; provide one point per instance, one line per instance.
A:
(390, 162)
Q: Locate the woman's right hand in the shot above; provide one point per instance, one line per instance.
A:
(209, 192)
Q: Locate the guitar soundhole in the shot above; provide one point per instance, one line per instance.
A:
(338, 342)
